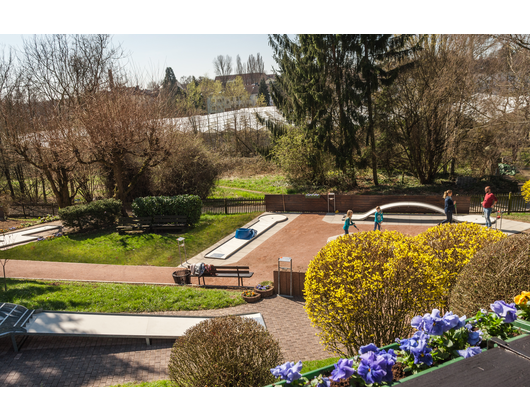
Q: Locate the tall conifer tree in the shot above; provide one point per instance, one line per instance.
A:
(315, 90)
(379, 64)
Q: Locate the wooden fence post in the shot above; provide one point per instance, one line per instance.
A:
(509, 202)
(226, 207)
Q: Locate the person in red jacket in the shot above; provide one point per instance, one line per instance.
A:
(489, 201)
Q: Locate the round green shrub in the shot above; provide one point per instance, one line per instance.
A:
(498, 272)
(180, 205)
(225, 351)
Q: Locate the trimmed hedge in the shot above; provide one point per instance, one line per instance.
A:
(180, 205)
(97, 214)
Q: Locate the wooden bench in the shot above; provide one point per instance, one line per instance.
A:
(173, 223)
(134, 224)
(239, 271)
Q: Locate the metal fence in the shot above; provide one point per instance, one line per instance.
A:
(509, 203)
(232, 205)
(32, 209)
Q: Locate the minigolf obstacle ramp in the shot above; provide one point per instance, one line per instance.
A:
(234, 244)
(17, 320)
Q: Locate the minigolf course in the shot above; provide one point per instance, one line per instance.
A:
(234, 244)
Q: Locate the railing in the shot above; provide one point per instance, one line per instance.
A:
(32, 209)
(509, 203)
(232, 205)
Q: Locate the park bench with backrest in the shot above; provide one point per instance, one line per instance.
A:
(169, 223)
(239, 271)
(155, 223)
(134, 224)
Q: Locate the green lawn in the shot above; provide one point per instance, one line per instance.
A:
(224, 192)
(266, 184)
(519, 217)
(110, 297)
(108, 247)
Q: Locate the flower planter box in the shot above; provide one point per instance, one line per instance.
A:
(325, 369)
(251, 299)
(524, 325)
(450, 362)
(265, 293)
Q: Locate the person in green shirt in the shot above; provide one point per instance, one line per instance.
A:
(349, 222)
(378, 218)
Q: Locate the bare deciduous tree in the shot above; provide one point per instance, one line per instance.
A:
(223, 65)
(119, 125)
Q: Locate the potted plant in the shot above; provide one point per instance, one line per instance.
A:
(250, 296)
(438, 342)
(265, 288)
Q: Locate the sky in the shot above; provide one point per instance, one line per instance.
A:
(148, 55)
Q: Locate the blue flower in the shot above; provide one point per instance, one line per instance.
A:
(421, 351)
(325, 383)
(408, 343)
(367, 348)
(504, 310)
(343, 370)
(288, 371)
(461, 322)
(371, 368)
(450, 321)
(469, 352)
(430, 323)
(474, 337)
(390, 358)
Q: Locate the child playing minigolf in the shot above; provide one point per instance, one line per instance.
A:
(378, 217)
(349, 222)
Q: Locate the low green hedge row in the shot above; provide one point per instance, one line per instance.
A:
(97, 214)
(180, 205)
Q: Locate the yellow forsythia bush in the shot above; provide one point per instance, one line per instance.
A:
(365, 288)
(525, 191)
(454, 245)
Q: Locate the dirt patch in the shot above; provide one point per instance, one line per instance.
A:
(9, 223)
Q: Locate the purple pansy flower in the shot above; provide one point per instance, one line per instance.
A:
(390, 358)
(372, 368)
(461, 322)
(504, 310)
(421, 351)
(430, 323)
(325, 383)
(288, 371)
(469, 352)
(474, 337)
(450, 321)
(343, 370)
(367, 348)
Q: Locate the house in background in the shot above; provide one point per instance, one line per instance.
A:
(221, 103)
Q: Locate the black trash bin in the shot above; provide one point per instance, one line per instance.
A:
(182, 276)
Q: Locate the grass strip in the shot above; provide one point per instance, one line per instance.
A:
(108, 247)
(111, 297)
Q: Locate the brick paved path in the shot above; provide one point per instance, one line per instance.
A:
(48, 361)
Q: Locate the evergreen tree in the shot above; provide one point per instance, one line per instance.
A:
(378, 64)
(264, 90)
(170, 81)
(314, 90)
